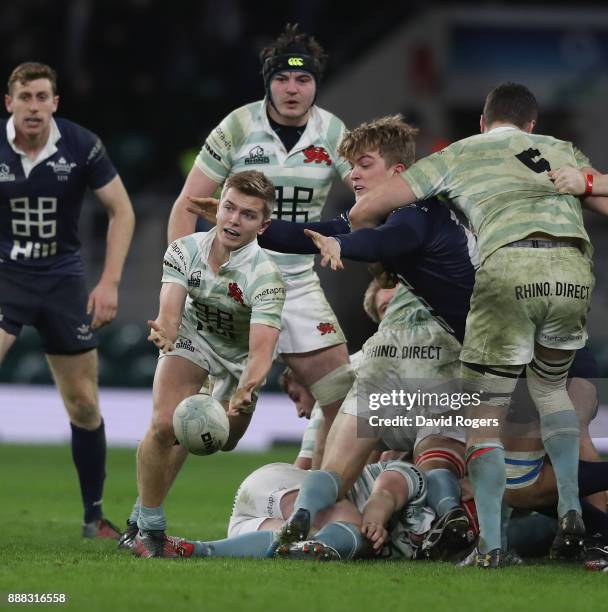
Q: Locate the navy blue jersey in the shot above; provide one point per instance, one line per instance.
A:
(39, 213)
(423, 244)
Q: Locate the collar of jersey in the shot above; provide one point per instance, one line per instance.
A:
(236, 259)
(49, 148)
(311, 133)
(502, 128)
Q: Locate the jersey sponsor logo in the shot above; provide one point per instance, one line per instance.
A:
(168, 264)
(271, 291)
(212, 152)
(256, 156)
(223, 138)
(184, 343)
(5, 173)
(543, 289)
(96, 151)
(295, 61)
(62, 168)
(326, 328)
(84, 332)
(317, 155)
(299, 196)
(234, 291)
(195, 279)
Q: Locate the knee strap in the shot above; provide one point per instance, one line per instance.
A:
(333, 386)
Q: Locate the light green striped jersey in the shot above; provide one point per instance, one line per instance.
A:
(247, 289)
(302, 177)
(499, 181)
(404, 310)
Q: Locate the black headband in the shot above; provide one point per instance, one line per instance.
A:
(290, 62)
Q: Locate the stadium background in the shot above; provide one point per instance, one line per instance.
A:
(152, 78)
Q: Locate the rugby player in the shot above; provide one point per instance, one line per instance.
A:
(436, 270)
(531, 296)
(46, 164)
(219, 317)
(294, 142)
(384, 515)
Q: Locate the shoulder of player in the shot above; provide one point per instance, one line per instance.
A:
(235, 126)
(329, 127)
(74, 131)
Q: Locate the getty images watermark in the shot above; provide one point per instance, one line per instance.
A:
(422, 401)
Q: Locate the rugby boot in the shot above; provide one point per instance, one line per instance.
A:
(183, 547)
(101, 528)
(295, 529)
(490, 560)
(128, 537)
(308, 550)
(595, 555)
(449, 534)
(568, 543)
(511, 557)
(154, 544)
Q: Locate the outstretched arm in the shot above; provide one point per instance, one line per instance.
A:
(163, 330)
(103, 300)
(262, 342)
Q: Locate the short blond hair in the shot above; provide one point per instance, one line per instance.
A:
(255, 184)
(30, 71)
(391, 136)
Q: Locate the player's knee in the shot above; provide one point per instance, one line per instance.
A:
(333, 386)
(546, 382)
(83, 409)
(494, 384)
(161, 428)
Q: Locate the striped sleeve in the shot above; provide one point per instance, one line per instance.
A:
(582, 161)
(310, 433)
(176, 264)
(215, 157)
(267, 294)
(335, 135)
(428, 176)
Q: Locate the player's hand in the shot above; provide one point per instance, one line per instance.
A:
(568, 180)
(160, 337)
(206, 208)
(375, 533)
(329, 248)
(241, 401)
(103, 304)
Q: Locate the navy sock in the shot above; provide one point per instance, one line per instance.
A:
(595, 520)
(89, 455)
(345, 538)
(592, 477)
(486, 466)
(318, 491)
(254, 544)
(443, 490)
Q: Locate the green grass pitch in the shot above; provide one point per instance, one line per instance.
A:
(41, 552)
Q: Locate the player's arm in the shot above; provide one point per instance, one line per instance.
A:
(403, 233)
(103, 300)
(181, 221)
(373, 207)
(163, 330)
(389, 494)
(262, 342)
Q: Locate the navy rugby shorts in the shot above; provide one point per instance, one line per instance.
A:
(53, 304)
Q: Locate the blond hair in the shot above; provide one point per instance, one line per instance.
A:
(391, 136)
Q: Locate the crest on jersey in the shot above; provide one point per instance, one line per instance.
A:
(326, 328)
(257, 156)
(5, 173)
(195, 279)
(234, 291)
(317, 155)
(62, 168)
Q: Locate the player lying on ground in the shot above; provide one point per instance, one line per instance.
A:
(46, 165)
(219, 317)
(383, 515)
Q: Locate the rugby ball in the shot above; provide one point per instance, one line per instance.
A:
(201, 424)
